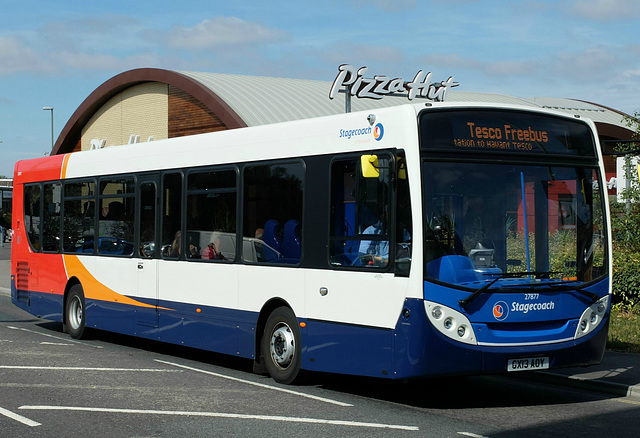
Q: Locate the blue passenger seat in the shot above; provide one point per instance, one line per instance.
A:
(272, 237)
(291, 241)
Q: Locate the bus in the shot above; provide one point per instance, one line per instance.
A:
(416, 240)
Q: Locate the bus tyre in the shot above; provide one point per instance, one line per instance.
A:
(281, 346)
(75, 317)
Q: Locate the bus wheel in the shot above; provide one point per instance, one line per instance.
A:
(75, 318)
(281, 346)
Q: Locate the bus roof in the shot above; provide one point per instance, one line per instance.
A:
(323, 135)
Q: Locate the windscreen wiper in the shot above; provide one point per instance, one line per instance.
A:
(463, 303)
(537, 274)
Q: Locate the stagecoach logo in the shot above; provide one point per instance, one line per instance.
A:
(500, 310)
(378, 132)
(379, 86)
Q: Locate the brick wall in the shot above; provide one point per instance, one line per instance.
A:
(139, 110)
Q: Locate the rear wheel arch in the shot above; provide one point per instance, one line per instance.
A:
(74, 291)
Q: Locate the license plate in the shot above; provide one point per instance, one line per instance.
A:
(528, 363)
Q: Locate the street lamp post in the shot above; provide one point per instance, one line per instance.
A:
(50, 108)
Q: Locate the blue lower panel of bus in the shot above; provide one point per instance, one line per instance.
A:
(412, 349)
(345, 348)
(46, 306)
(216, 329)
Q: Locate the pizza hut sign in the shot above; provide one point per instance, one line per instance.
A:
(379, 86)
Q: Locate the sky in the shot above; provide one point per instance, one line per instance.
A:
(55, 53)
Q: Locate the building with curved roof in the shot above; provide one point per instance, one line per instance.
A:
(153, 104)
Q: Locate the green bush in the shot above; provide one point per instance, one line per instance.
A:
(625, 226)
(626, 278)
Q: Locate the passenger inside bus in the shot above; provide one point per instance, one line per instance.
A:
(374, 252)
(211, 252)
(377, 249)
(176, 247)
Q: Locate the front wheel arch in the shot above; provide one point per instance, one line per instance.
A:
(280, 346)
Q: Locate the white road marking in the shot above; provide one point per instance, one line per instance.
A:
(472, 435)
(54, 337)
(224, 415)
(143, 370)
(62, 344)
(19, 418)
(248, 382)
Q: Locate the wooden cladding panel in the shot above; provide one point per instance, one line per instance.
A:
(78, 146)
(188, 116)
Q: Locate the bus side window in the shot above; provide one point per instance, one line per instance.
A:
(404, 225)
(171, 215)
(51, 217)
(147, 236)
(272, 213)
(211, 214)
(79, 217)
(360, 218)
(117, 216)
(32, 214)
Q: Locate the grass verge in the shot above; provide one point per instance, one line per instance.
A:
(624, 332)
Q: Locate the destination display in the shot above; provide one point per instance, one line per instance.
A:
(504, 131)
(502, 137)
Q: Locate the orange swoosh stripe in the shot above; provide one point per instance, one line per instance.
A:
(65, 162)
(95, 290)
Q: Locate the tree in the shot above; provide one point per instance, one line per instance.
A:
(625, 218)
(625, 224)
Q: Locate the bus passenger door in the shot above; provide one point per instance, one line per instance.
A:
(147, 254)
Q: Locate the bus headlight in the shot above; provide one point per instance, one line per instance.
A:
(450, 323)
(592, 317)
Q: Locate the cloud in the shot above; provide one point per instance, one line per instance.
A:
(16, 57)
(360, 55)
(116, 43)
(223, 32)
(510, 68)
(594, 63)
(83, 61)
(605, 10)
(438, 61)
